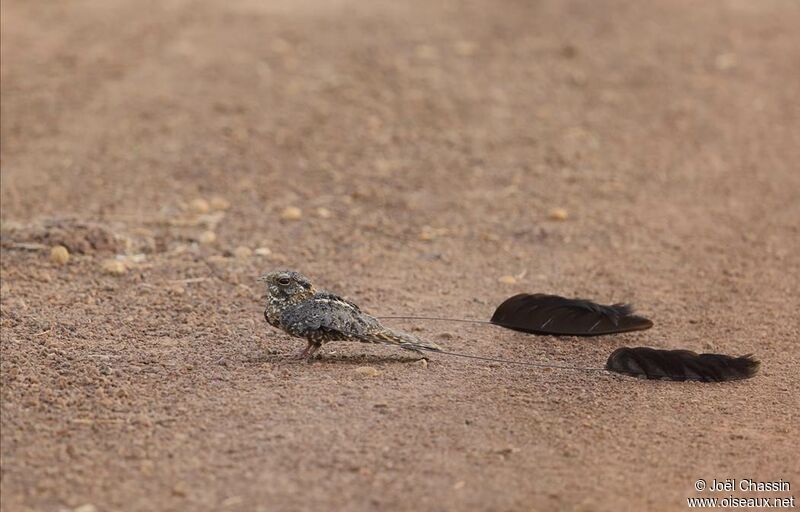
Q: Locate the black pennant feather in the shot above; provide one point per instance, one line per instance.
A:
(680, 365)
(550, 314)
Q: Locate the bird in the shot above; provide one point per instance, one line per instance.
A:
(296, 307)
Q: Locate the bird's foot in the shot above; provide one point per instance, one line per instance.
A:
(308, 353)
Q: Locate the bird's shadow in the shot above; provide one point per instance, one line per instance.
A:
(331, 359)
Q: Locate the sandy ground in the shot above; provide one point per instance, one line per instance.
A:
(426, 144)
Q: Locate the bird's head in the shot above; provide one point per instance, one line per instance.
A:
(287, 285)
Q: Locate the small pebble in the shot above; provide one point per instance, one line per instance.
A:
(291, 213)
(114, 267)
(506, 451)
(726, 61)
(367, 371)
(465, 48)
(176, 289)
(323, 213)
(422, 362)
(179, 490)
(207, 237)
(219, 203)
(59, 255)
(199, 205)
(558, 214)
(263, 251)
(429, 233)
(507, 280)
(242, 252)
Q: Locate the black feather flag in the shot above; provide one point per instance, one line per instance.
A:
(550, 314)
(651, 363)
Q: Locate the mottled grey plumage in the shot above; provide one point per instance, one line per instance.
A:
(296, 307)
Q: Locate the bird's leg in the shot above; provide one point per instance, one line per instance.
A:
(420, 356)
(309, 351)
(314, 348)
(306, 353)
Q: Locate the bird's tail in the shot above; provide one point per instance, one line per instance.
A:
(400, 339)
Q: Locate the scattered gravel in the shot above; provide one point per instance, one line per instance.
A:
(219, 203)
(242, 252)
(367, 371)
(113, 267)
(292, 213)
(59, 255)
(207, 237)
(199, 205)
(558, 214)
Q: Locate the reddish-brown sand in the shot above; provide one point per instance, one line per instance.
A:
(437, 137)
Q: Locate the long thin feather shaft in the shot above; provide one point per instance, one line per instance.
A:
(438, 318)
(511, 361)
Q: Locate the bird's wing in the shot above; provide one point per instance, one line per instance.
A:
(328, 316)
(336, 318)
(329, 313)
(325, 295)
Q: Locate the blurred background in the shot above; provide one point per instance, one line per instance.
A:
(440, 114)
(422, 157)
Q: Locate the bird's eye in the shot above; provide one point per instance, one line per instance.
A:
(283, 281)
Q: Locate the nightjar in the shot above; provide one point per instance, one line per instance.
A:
(299, 309)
